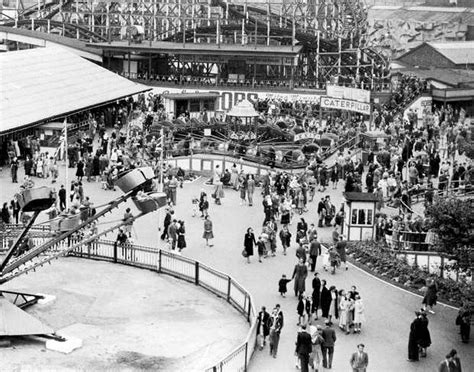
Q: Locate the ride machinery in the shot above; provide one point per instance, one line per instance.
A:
(136, 184)
(333, 34)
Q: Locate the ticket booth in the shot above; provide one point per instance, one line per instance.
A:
(359, 218)
(194, 103)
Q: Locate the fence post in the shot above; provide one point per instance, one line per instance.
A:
(228, 288)
(159, 261)
(196, 273)
(246, 356)
(248, 312)
(441, 271)
(115, 252)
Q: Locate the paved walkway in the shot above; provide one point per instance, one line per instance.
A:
(389, 310)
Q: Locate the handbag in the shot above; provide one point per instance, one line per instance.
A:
(244, 253)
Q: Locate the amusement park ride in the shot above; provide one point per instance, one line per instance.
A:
(136, 184)
(331, 36)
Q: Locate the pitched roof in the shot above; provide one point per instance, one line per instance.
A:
(46, 83)
(451, 77)
(459, 52)
(360, 196)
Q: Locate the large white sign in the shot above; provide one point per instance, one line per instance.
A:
(228, 99)
(352, 94)
(345, 104)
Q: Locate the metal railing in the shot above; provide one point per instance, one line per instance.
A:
(254, 83)
(187, 269)
(437, 263)
(407, 240)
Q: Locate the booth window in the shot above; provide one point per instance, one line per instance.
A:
(194, 105)
(209, 104)
(362, 217)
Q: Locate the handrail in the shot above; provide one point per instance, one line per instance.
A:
(156, 259)
(164, 262)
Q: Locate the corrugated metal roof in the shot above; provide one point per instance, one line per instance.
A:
(44, 83)
(460, 52)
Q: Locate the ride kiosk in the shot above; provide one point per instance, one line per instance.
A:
(194, 103)
(359, 216)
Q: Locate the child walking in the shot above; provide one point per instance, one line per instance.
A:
(282, 285)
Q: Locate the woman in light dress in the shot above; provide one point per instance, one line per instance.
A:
(345, 307)
(359, 314)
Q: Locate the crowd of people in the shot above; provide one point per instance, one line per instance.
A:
(415, 155)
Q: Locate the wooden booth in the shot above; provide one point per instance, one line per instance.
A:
(359, 219)
(194, 103)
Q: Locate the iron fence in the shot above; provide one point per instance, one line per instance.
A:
(184, 268)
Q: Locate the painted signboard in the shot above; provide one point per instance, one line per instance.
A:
(227, 99)
(345, 104)
(353, 94)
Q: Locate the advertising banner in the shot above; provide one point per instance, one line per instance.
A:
(227, 99)
(345, 104)
(353, 94)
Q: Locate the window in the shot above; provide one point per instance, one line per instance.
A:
(362, 217)
(209, 104)
(354, 217)
(194, 106)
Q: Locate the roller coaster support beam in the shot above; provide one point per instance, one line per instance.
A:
(14, 247)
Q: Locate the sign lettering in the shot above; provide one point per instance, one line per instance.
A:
(345, 104)
(227, 99)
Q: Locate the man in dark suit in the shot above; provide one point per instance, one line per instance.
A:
(455, 363)
(327, 347)
(62, 198)
(173, 234)
(314, 252)
(359, 360)
(303, 348)
(445, 365)
(263, 327)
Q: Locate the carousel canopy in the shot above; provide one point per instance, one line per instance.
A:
(243, 109)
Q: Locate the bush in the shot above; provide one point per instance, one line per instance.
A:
(383, 262)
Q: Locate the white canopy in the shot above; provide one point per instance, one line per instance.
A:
(46, 83)
(243, 109)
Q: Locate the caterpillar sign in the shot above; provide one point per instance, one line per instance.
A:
(345, 104)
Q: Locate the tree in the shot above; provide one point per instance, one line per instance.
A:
(452, 219)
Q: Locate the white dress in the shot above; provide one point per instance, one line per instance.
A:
(343, 307)
(359, 316)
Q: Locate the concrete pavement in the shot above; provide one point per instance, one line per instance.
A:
(389, 311)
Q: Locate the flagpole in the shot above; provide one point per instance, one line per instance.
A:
(66, 185)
